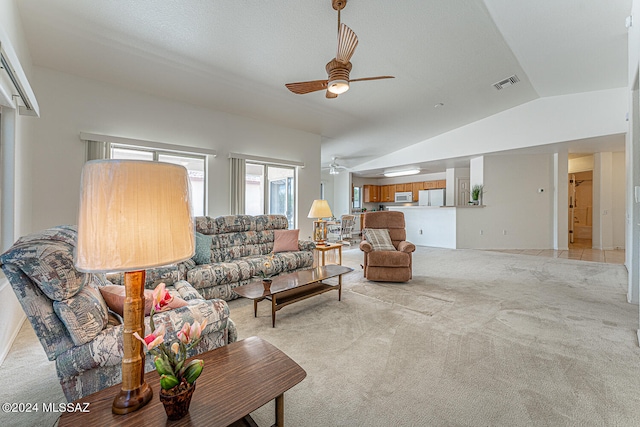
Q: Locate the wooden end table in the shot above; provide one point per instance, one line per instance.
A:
(237, 379)
(297, 286)
(320, 250)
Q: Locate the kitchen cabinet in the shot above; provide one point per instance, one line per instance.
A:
(415, 187)
(430, 185)
(403, 187)
(371, 193)
(387, 193)
(441, 183)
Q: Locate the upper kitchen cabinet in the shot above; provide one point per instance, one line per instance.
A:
(371, 193)
(415, 187)
(387, 193)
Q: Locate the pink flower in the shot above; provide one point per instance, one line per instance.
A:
(161, 297)
(190, 333)
(152, 340)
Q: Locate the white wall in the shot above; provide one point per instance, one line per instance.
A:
(512, 204)
(542, 121)
(70, 105)
(618, 199)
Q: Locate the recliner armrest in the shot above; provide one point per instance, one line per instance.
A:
(407, 247)
(366, 246)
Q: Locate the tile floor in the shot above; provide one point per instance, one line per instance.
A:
(579, 250)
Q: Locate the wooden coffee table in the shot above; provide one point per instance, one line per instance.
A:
(289, 288)
(237, 379)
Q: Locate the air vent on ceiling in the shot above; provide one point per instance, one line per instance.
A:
(506, 82)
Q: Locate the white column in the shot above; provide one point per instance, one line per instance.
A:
(560, 201)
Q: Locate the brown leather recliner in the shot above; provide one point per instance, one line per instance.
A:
(387, 266)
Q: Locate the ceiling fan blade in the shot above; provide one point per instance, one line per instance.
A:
(331, 95)
(347, 42)
(307, 87)
(371, 78)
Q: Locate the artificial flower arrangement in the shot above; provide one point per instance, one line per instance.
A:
(169, 359)
(266, 264)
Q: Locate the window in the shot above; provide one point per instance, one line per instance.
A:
(195, 164)
(357, 199)
(270, 189)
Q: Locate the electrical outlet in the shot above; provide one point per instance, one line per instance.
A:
(481, 232)
(504, 232)
(420, 231)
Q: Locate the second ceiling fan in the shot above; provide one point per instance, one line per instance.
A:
(338, 68)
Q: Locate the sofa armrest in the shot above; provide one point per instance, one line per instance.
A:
(107, 348)
(306, 245)
(407, 247)
(366, 246)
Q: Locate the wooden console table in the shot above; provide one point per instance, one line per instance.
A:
(237, 379)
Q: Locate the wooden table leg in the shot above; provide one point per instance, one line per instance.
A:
(280, 411)
(340, 287)
(340, 252)
(255, 308)
(273, 311)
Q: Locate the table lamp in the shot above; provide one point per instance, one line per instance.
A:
(320, 209)
(133, 215)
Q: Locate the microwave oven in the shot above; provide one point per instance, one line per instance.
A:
(404, 196)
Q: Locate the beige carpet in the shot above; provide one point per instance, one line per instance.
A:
(476, 338)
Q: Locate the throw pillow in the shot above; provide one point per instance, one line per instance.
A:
(285, 240)
(379, 239)
(84, 314)
(114, 296)
(203, 249)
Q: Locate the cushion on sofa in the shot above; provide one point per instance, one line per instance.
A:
(47, 259)
(379, 239)
(285, 240)
(114, 296)
(203, 249)
(84, 314)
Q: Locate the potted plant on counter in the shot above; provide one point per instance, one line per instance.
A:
(476, 194)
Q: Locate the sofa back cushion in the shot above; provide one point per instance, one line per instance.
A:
(239, 236)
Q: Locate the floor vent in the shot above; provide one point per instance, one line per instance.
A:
(509, 81)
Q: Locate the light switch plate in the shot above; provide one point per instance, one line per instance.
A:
(637, 192)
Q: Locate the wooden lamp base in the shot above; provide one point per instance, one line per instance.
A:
(135, 393)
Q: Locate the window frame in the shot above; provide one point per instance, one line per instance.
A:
(157, 152)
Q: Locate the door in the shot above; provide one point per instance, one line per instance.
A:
(463, 191)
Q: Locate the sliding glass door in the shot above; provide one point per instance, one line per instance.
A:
(270, 189)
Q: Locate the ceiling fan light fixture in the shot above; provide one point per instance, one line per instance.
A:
(333, 171)
(338, 86)
(405, 172)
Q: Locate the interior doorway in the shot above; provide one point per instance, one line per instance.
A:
(581, 209)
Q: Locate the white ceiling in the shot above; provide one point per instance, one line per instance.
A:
(236, 56)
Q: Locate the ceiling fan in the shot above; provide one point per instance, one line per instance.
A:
(334, 167)
(338, 68)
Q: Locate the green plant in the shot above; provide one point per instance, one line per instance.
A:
(476, 191)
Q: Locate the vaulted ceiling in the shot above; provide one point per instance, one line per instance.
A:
(236, 56)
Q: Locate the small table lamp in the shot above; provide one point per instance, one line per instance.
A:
(133, 215)
(320, 209)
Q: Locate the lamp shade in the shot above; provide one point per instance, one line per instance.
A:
(133, 215)
(320, 209)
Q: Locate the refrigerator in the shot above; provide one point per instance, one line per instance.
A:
(431, 197)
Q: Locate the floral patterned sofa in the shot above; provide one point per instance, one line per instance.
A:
(72, 321)
(230, 251)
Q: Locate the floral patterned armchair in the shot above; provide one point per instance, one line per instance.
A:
(72, 320)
